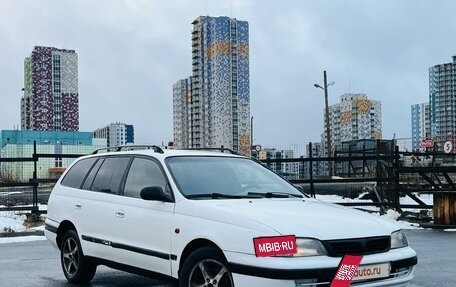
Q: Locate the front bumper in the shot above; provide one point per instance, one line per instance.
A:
(246, 280)
(315, 271)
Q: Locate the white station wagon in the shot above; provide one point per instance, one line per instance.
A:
(201, 218)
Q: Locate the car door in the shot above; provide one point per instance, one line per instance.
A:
(98, 204)
(143, 227)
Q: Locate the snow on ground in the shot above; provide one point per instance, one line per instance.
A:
(12, 224)
(13, 221)
(392, 215)
(21, 239)
(450, 230)
(332, 198)
(426, 198)
(10, 193)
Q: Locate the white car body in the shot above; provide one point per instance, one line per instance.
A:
(153, 235)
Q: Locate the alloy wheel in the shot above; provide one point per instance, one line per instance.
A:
(210, 273)
(70, 256)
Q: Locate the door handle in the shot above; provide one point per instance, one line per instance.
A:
(78, 206)
(120, 213)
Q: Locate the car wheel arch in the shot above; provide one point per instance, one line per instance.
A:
(195, 245)
(64, 226)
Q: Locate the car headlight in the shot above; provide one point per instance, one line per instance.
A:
(398, 239)
(309, 247)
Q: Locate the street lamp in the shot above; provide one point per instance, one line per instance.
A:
(328, 132)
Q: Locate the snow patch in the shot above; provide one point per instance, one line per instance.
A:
(450, 230)
(10, 193)
(11, 225)
(392, 216)
(408, 225)
(13, 221)
(4, 240)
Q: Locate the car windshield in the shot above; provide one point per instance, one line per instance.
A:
(212, 177)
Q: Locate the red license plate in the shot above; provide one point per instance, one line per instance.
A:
(275, 246)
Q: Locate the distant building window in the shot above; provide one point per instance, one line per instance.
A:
(58, 162)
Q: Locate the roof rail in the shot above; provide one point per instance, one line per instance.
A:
(219, 149)
(130, 147)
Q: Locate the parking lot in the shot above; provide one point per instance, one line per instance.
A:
(37, 263)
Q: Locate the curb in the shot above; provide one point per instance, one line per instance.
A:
(25, 233)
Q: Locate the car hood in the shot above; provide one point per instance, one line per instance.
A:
(300, 217)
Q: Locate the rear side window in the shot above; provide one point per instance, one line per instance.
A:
(111, 174)
(77, 173)
(91, 176)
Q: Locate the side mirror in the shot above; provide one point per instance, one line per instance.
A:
(153, 193)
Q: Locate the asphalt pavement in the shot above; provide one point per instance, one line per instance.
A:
(436, 257)
(37, 263)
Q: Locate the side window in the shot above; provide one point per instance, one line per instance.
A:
(143, 173)
(110, 174)
(91, 176)
(77, 173)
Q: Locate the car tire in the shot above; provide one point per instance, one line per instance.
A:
(77, 268)
(206, 267)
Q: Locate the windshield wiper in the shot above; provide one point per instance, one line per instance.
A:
(275, 194)
(216, 195)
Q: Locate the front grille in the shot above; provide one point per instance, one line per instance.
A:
(357, 246)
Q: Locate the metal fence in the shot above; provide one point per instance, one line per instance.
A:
(26, 181)
(373, 179)
(379, 178)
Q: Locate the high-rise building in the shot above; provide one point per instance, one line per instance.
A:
(215, 101)
(289, 170)
(314, 150)
(116, 134)
(51, 99)
(442, 101)
(181, 118)
(421, 124)
(354, 118)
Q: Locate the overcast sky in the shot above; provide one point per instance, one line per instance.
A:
(132, 52)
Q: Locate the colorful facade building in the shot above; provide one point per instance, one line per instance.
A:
(51, 98)
(216, 97)
(354, 118)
